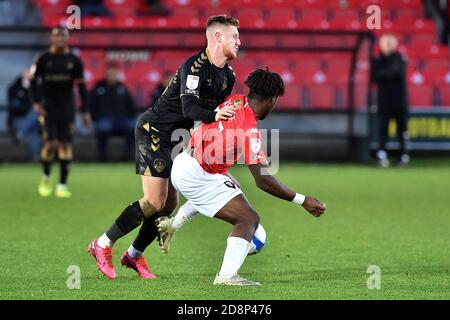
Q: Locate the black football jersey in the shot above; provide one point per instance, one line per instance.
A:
(197, 77)
(56, 74)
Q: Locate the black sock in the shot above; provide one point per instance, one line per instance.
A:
(65, 164)
(46, 165)
(147, 233)
(129, 220)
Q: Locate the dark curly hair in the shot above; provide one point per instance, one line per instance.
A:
(264, 84)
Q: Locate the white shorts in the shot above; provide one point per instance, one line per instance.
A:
(207, 192)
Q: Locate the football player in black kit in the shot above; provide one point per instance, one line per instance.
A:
(200, 84)
(56, 71)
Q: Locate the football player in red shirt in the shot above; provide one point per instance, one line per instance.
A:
(201, 173)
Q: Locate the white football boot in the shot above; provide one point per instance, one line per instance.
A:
(235, 280)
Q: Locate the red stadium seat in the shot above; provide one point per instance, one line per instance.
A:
(424, 26)
(169, 22)
(242, 68)
(251, 18)
(122, 7)
(312, 23)
(417, 78)
(97, 22)
(436, 66)
(308, 75)
(408, 14)
(438, 75)
(420, 41)
(292, 98)
(346, 24)
(53, 3)
(347, 14)
(53, 20)
(313, 14)
(248, 4)
(280, 23)
(436, 52)
(322, 96)
(173, 64)
(317, 4)
(206, 13)
(126, 21)
(184, 3)
(184, 13)
(276, 65)
(288, 14)
(338, 75)
(306, 62)
(287, 4)
(391, 4)
(420, 96)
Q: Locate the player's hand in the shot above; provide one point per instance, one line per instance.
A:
(225, 113)
(39, 109)
(314, 206)
(86, 119)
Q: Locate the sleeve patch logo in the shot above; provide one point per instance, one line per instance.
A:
(192, 81)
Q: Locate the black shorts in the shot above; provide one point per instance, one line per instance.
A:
(57, 127)
(153, 149)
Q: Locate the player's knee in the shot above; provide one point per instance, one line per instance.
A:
(156, 201)
(254, 220)
(148, 209)
(65, 152)
(47, 152)
(250, 220)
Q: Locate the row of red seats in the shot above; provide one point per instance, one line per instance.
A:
(310, 79)
(321, 4)
(189, 18)
(283, 14)
(270, 4)
(298, 67)
(309, 82)
(319, 96)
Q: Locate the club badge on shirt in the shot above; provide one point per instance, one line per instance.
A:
(255, 144)
(192, 81)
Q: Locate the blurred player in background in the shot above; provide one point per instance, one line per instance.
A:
(22, 120)
(200, 173)
(56, 71)
(201, 83)
(389, 73)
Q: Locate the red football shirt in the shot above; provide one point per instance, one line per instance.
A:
(219, 145)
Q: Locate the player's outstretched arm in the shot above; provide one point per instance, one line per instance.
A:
(272, 186)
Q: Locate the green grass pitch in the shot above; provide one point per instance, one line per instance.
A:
(397, 219)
